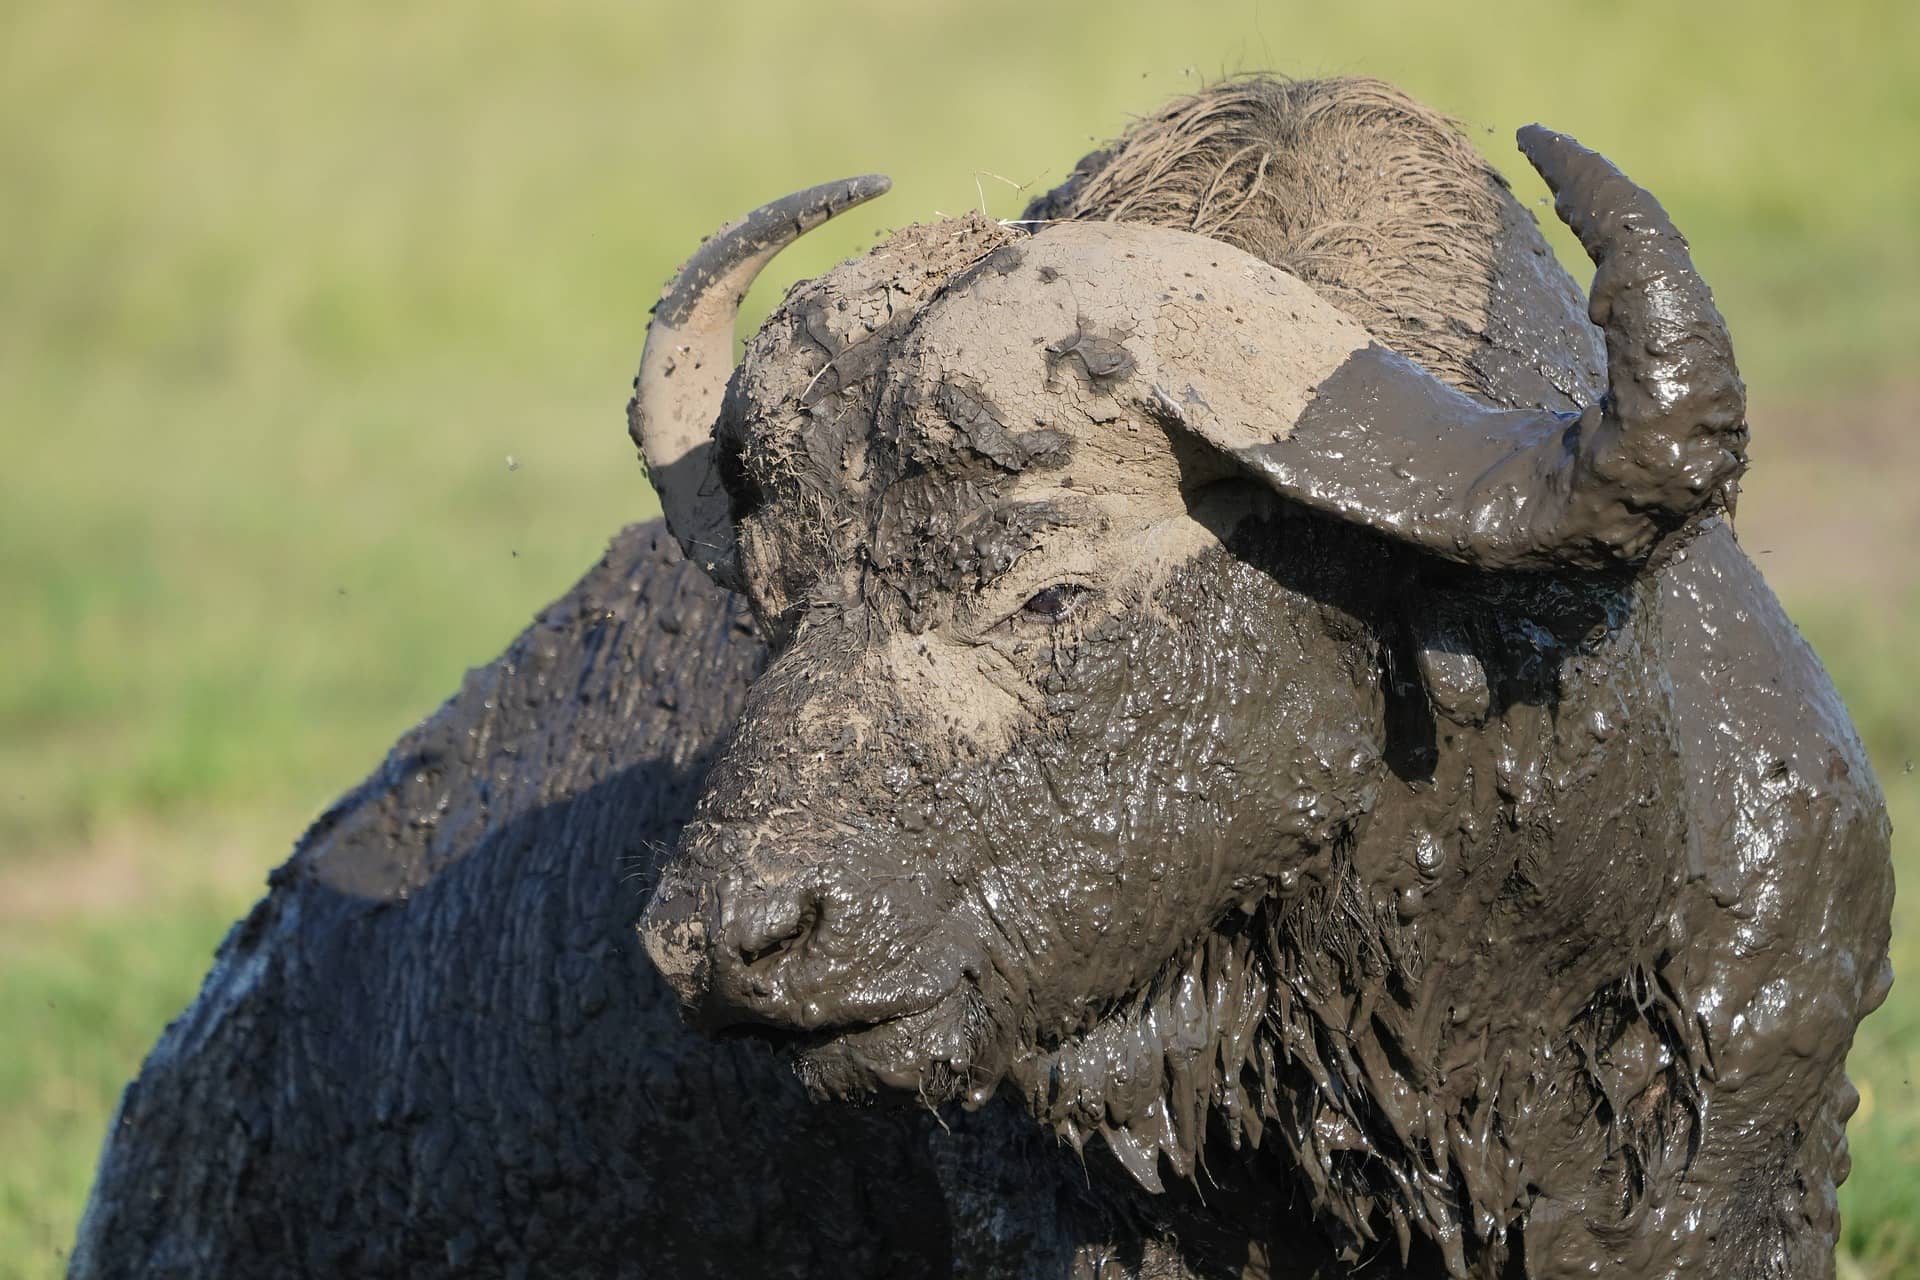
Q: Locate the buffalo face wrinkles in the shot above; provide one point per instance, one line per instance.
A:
(994, 780)
(1011, 649)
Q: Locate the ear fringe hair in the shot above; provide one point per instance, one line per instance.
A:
(1378, 202)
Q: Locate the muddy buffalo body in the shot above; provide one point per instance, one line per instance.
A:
(1266, 744)
(1291, 739)
(436, 1048)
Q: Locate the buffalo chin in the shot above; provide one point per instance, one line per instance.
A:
(939, 1054)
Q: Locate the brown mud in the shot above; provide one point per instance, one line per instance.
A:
(1517, 913)
(1249, 881)
(435, 1047)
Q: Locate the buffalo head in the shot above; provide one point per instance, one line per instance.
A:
(1168, 713)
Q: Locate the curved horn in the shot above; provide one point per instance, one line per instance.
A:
(1386, 444)
(1673, 427)
(689, 357)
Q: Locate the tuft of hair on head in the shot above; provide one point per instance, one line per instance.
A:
(1377, 201)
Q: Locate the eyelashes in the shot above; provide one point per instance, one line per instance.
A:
(1053, 605)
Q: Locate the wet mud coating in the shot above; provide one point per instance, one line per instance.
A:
(1238, 740)
(1290, 712)
(435, 1047)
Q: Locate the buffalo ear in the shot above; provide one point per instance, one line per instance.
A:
(1385, 444)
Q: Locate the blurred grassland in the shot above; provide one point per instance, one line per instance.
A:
(316, 323)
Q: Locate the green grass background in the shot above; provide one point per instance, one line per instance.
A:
(284, 287)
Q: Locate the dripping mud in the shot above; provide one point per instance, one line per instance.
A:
(1100, 706)
(1303, 727)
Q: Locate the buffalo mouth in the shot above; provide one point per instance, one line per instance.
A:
(938, 1052)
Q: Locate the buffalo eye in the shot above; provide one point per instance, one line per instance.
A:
(1055, 604)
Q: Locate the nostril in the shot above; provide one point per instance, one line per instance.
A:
(782, 923)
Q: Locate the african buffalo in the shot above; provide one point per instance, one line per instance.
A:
(1382, 835)
(1242, 685)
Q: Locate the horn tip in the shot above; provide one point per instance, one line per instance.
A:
(777, 224)
(853, 191)
(1538, 144)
